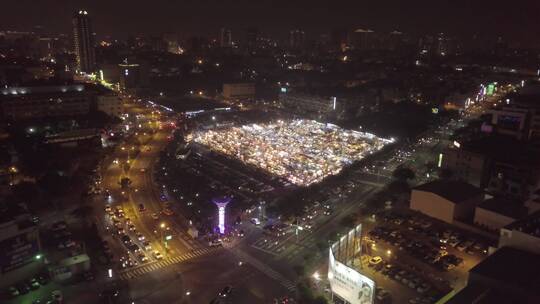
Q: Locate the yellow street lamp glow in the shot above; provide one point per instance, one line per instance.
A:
(162, 225)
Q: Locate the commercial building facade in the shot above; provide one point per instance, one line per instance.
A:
(19, 103)
(110, 104)
(446, 200)
(313, 106)
(238, 91)
(20, 249)
(496, 213)
(523, 234)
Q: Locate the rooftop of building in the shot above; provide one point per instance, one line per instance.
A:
(479, 294)
(512, 267)
(14, 214)
(529, 225)
(452, 190)
(49, 88)
(503, 149)
(509, 208)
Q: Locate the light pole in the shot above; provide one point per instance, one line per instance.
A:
(297, 228)
(162, 227)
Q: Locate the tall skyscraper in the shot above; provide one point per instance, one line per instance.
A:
(84, 42)
(225, 38)
(251, 38)
(296, 39)
(171, 39)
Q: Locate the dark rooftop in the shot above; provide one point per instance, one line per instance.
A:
(478, 294)
(503, 149)
(512, 267)
(529, 225)
(455, 191)
(506, 207)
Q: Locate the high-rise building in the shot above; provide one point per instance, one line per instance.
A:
(251, 38)
(84, 42)
(171, 40)
(225, 38)
(296, 39)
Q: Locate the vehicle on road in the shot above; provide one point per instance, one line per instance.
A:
(157, 255)
(225, 292)
(255, 221)
(215, 243)
(13, 291)
(142, 208)
(168, 211)
(375, 260)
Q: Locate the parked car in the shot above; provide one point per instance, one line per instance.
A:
(13, 291)
(57, 296)
(34, 284)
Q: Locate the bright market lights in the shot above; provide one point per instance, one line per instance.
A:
(300, 151)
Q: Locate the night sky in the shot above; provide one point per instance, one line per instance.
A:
(517, 20)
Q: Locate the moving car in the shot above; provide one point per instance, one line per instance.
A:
(225, 292)
(375, 260)
(215, 243)
(255, 221)
(168, 211)
(157, 255)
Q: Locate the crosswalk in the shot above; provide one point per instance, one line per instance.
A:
(147, 268)
(265, 269)
(269, 245)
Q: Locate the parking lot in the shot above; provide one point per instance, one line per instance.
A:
(425, 256)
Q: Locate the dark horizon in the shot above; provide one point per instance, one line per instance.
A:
(517, 24)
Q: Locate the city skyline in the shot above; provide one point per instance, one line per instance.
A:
(301, 152)
(121, 18)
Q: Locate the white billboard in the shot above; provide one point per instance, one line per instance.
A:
(347, 283)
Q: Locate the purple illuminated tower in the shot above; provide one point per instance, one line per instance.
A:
(221, 203)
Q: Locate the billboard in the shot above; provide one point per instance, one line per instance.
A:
(346, 282)
(18, 251)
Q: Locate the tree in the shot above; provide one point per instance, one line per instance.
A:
(320, 300)
(299, 270)
(398, 187)
(125, 182)
(403, 174)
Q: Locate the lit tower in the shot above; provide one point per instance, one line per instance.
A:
(221, 203)
(84, 42)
